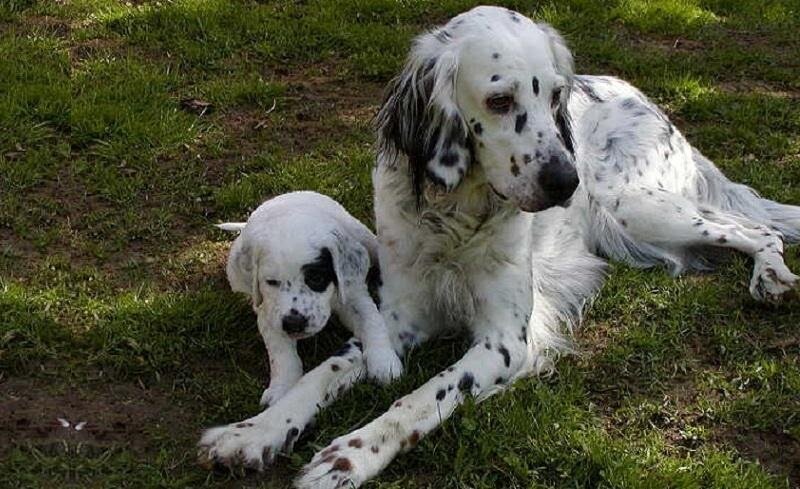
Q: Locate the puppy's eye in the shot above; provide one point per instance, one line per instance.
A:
(556, 98)
(317, 280)
(273, 283)
(500, 104)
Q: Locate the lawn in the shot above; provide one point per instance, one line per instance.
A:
(127, 128)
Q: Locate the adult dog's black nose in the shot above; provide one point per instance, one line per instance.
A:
(558, 179)
(294, 322)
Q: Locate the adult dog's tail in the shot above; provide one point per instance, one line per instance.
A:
(234, 227)
(715, 189)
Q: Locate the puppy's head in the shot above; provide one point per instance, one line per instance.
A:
(489, 88)
(297, 276)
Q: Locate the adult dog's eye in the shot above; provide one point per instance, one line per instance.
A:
(556, 98)
(500, 104)
(273, 283)
(317, 280)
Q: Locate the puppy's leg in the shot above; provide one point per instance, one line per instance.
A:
(362, 317)
(671, 221)
(254, 442)
(285, 366)
(352, 459)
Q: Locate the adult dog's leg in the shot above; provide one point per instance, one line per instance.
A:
(285, 365)
(254, 442)
(646, 177)
(486, 368)
(671, 221)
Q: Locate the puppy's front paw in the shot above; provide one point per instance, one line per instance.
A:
(384, 365)
(272, 394)
(250, 444)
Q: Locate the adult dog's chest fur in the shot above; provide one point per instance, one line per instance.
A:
(451, 242)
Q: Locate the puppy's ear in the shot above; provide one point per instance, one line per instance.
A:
(240, 266)
(351, 265)
(420, 119)
(564, 65)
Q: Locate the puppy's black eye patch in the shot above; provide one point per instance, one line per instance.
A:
(319, 274)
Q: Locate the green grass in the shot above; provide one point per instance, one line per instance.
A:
(114, 305)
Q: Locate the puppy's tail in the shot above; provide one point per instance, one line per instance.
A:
(715, 188)
(234, 227)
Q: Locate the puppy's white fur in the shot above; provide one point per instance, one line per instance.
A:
(269, 262)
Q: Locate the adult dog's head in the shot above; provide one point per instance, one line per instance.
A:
(489, 88)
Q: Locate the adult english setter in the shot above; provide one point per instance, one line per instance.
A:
(502, 179)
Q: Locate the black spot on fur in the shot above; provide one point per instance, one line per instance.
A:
(519, 125)
(722, 239)
(506, 355)
(587, 89)
(291, 435)
(478, 128)
(466, 382)
(565, 128)
(526, 158)
(535, 84)
(449, 159)
(514, 170)
(495, 78)
(705, 233)
(436, 179)
(319, 274)
(499, 381)
(443, 37)
(374, 283)
(440, 394)
(495, 55)
(342, 351)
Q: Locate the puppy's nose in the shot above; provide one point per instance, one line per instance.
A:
(294, 322)
(558, 178)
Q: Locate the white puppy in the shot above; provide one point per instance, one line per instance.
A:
(301, 256)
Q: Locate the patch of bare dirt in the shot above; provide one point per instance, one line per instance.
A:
(777, 453)
(51, 25)
(669, 44)
(85, 420)
(83, 50)
(316, 106)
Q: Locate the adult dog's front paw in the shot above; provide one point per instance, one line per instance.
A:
(771, 281)
(347, 462)
(384, 365)
(273, 394)
(251, 444)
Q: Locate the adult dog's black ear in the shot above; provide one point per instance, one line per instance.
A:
(564, 65)
(419, 116)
